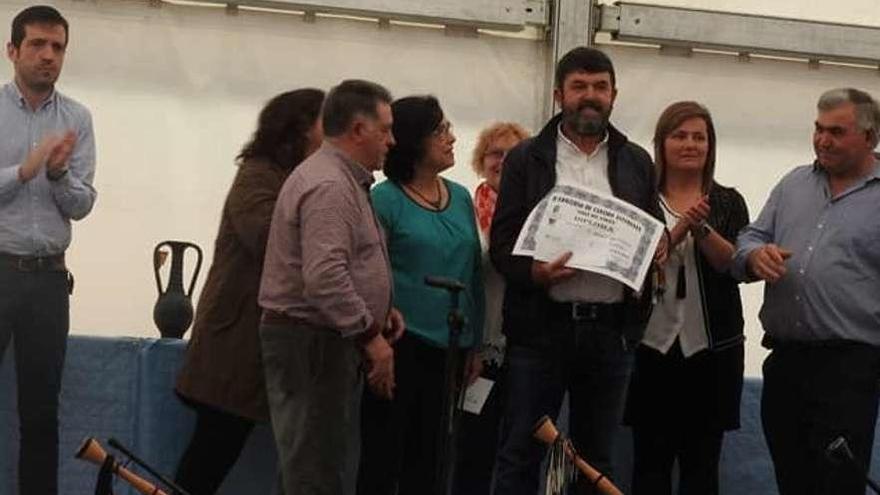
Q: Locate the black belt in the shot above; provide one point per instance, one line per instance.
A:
(275, 318)
(775, 344)
(594, 312)
(54, 263)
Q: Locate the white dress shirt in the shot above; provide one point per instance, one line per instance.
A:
(674, 317)
(576, 168)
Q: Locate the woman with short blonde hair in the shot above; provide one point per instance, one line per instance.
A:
(479, 433)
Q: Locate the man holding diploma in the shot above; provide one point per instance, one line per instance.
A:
(567, 330)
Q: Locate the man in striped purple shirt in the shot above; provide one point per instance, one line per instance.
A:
(326, 294)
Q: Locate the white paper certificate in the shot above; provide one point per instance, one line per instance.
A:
(476, 394)
(605, 235)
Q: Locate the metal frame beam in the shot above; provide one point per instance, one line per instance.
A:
(505, 15)
(741, 33)
(571, 26)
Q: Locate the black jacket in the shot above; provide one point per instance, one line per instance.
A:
(703, 395)
(722, 305)
(528, 175)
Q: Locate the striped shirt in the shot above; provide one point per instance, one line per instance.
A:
(326, 261)
(35, 216)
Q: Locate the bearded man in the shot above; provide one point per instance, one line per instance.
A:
(568, 330)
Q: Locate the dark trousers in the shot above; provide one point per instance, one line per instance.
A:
(216, 443)
(478, 440)
(400, 437)
(675, 417)
(656, 450)
(594, 368)
(811, 396)
(34, 314)
(314, 384)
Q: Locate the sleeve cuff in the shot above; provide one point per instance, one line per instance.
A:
(363, 338)
(62, 180)
(739, 269)
(352, 331)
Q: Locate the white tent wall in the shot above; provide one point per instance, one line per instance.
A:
(175, 91)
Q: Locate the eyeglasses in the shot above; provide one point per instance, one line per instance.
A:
(495, 154)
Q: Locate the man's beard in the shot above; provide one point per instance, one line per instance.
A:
(584, 125)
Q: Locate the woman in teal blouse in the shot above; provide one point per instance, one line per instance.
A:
(430, 230)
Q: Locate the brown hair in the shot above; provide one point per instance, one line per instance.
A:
(37, 14)
(675, 115)
(349, 99)
(282, 128)
(495, 131)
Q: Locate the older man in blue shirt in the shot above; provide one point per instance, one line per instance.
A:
(47, 163)
(817, 245)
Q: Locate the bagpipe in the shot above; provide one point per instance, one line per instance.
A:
(563, 457)
(91, 451)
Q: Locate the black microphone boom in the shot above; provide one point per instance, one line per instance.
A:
(452, 396)
(838, 451)
(449, 284)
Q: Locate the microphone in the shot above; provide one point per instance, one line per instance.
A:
(838, 451)
(449, 284)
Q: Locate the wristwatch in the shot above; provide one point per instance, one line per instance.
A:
(702, 230)
(55, 176)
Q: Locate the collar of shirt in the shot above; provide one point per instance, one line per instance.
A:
(562, 140)
(862, 182)
(363, 176)
(875, 174)
(11, 89)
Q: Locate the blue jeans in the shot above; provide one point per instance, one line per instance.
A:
(34, 316)
(593, 366)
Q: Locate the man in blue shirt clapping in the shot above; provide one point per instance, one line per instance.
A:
(47, 164)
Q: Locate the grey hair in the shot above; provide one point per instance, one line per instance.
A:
(867, 108)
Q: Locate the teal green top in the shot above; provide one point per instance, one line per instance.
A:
(442, 243)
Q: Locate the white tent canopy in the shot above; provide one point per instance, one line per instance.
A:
(175, 90)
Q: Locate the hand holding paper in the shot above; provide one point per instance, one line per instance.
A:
(604, 235)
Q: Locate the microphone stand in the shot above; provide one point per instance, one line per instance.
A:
(838, 451)
(446, 447)
(177, 490)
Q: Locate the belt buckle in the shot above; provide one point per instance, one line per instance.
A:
(29, 264)
(584, 311)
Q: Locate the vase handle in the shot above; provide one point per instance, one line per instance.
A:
(175, 249)
(159, 259)
(195, 276)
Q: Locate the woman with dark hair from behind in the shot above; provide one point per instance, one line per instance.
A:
(687, 381)
(430, 230)
(222, 376)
